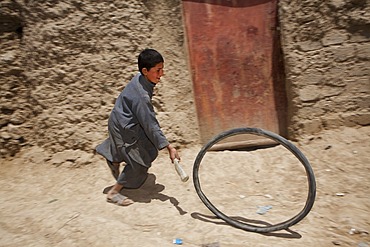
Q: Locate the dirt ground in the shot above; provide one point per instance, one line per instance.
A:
(45, 205)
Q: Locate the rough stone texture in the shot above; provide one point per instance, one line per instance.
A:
(15, 102)
(64, 62)
(326, 47)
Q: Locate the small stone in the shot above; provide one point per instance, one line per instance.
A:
(336, 242)
(328, 147)
(268, 196)
(362, 244)
(5, 135)
(353, 231)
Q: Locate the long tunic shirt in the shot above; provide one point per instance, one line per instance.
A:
(134, 132)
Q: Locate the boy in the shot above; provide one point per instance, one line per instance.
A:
(134, 132)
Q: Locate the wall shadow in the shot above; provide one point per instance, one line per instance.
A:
(279, 80)
(287, 233)
(149, 191)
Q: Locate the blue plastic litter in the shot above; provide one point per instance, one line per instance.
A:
(263, 209)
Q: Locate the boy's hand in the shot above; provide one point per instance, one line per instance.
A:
(173, 153)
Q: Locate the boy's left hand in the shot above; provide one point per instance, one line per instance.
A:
(173, 153)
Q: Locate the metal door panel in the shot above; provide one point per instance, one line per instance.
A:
(234, 65)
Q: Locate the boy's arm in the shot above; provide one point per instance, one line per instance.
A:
(146, 116)
(144, 112)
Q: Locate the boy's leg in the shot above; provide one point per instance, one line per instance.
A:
(114, 168)
(132, 177)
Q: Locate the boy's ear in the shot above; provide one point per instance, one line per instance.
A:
(144, 71)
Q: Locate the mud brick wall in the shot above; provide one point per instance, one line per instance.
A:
(63, 63)
(326, 48)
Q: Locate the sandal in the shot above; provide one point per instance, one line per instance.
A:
(114, 169)
(120, 200)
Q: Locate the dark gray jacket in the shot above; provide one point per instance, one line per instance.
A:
(134, 132)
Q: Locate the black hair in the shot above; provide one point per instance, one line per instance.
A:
(148, 59)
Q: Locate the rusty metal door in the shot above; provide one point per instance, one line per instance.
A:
(236, 69)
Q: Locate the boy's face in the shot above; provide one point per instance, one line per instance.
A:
(155, 73)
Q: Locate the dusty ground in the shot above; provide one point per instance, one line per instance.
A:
(45, 205)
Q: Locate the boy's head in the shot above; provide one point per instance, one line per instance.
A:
(148, 59)
(151, 59)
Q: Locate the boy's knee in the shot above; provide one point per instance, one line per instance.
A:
(137, 183)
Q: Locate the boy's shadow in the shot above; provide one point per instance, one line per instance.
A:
(147, 192)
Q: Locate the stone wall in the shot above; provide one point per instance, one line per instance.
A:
(15, 102)
(326, 48)
(63, 63)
